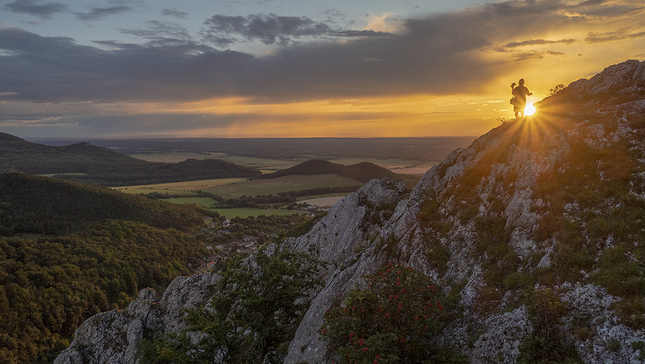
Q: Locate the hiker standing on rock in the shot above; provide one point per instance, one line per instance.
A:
(519, 98)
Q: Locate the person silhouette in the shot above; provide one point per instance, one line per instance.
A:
(519, 98)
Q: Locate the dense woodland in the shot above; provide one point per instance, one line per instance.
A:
(99, 249)
(104, 166)
(41, 205)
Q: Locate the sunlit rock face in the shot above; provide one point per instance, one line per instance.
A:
(552, 202)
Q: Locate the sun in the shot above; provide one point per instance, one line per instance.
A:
(529, 110)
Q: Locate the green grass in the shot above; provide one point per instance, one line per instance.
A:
(281, 184)
(245, 212)
(175, 157)
(259, 163)
(179, 187)
(202, 201)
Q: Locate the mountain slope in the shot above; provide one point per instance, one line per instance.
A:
(41, 205)
(101, 165)
(539, 222)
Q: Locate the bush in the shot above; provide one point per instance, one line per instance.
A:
(251, 318)
(547, 344)
(393, 321)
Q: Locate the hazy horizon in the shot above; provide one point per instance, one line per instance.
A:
(300, 69)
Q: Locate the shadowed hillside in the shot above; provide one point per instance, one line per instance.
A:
(41, 205)
(94, 164)
(362, 172)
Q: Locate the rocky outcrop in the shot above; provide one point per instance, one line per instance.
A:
(112, 337)
(516, 187)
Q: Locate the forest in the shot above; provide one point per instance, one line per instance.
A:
(72, 250)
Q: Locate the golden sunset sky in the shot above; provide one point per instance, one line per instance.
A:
(287, 68)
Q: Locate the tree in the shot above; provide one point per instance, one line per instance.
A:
(393, 321)
(253, 315)
(557, 88)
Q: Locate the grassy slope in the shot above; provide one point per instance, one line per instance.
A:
(282, 184)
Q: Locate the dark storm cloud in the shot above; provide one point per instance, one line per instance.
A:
(438, 55)
(36, 8)
(100, 13)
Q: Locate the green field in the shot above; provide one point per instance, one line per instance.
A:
(184, 188)
(202, 201)
(258, 163)
(283, 184)
(242, 212)
(245, 212)
(175, 157)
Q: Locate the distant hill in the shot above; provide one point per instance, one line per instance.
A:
(367, 171)
(362, 172)
(41, 205)
(100, 165)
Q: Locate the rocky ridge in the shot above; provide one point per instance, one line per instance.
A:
(545, 200)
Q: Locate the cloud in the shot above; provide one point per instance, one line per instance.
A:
(100, 13)
(272, 29)
(537, 42)
(444, 54)
(174, 12)
(612, 36)
(36, 8)
(160, 32)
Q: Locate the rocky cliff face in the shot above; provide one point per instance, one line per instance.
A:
(555, 201)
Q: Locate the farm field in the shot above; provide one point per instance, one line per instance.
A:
(282, 184)
(186, 187)
(270, 165)
(175, 157)
(323, 201)
(260, 163)
(205, 202)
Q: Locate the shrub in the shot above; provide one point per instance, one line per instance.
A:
(252, 317)
(547, 344)
(393, 321)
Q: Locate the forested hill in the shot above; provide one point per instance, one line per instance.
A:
(101, 247)
(103, 166)
(362, 172)
(41, 205)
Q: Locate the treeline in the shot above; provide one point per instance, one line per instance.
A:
(103, 166)
(40, 205)
(49, 286)
(281, 198)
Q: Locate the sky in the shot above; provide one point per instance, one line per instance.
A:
(295, 68)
